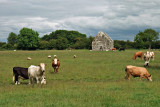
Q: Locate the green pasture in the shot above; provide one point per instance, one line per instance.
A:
(93, 79)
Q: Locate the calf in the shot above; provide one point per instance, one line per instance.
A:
(19, 72)
(36, 73)
(43, 80)
(137, 72)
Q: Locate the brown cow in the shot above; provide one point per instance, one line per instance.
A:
(137, 72)
(113, 49)
(55, 64)
(138, 54)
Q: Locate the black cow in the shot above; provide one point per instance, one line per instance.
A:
(121, 49)
(19, 72)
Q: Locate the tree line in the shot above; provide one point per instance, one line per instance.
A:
(28, 39)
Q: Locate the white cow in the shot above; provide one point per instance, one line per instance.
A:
(36, 73)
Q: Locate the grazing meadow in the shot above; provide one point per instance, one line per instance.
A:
(93, 79)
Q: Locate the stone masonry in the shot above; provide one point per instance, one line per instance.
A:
(102, 42)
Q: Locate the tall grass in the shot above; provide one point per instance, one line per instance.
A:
(93, 79)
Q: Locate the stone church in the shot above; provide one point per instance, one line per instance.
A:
(102, 42)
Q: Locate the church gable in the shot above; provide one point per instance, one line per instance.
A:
(102, 42)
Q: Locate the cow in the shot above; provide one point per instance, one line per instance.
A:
(55, 64)
(147, 56)
(36, 73)
(113, 49)
(121, 49)
(19, 72)
(138, 54)
(137, 72)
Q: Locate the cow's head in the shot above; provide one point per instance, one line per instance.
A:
(149, 78)
(42, 67)
(146, 59)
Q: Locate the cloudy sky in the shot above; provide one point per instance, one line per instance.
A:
(120, 19)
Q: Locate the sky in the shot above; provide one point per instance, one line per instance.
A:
(120, 19)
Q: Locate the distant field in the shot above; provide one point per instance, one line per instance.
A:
(93, 79)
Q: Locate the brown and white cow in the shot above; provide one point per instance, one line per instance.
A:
(55, 64)
(137, 72)
(147, 56)
(138, 54)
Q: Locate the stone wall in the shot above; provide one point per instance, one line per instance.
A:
(102, 42)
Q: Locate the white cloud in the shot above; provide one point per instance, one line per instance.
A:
(121, 19)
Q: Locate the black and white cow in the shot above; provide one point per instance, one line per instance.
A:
(19, 72)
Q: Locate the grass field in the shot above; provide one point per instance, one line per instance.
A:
(93, 79)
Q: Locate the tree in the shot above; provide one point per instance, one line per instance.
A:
(61, 43)
(28, 39)
(43, 44)
(52, 44)
(146, 38)
(12, 38)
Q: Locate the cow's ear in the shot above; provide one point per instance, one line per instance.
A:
(150, 76)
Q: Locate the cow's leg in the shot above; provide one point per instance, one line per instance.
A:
(30, 80)
(126, 75)
(37, 79)
(129, 76)
(140, 78)
(16, 79)
(56, 69)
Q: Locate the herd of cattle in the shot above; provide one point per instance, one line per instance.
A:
(140, 71)
(36, 74)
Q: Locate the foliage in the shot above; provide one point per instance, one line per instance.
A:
(43, 45)
(52, 44)
(89, 42)
(70, 36)
(145, 39)
(12, 38)
(8, 46)
(123, 44)
(61, 43)
(28, 39)
(2, 43)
